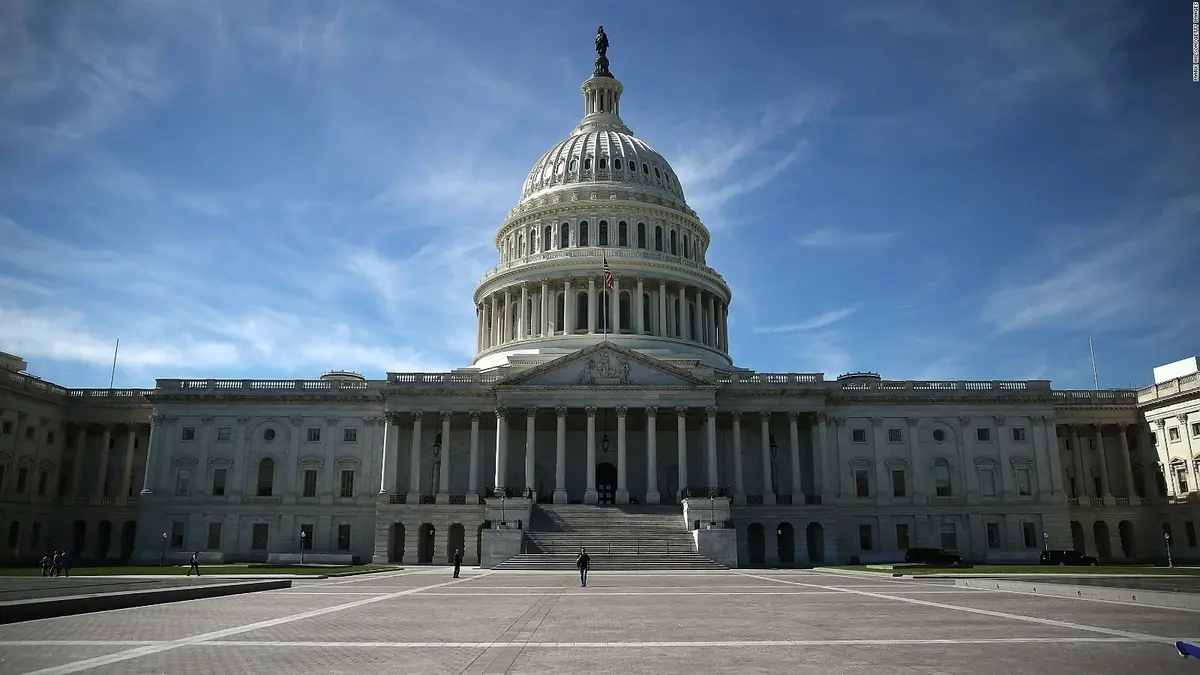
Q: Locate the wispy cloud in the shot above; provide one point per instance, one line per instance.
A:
(822, 320)
(830, 237)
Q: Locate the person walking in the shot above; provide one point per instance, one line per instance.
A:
(583, 562)
(56, 563)
(457, 561)
(195, 564)
(46, 561)
(65, 564)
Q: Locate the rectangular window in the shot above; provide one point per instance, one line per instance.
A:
(898, 489)
(177, 530)
(983, 434)
(1189, 531)
(1196, 429)
(1181, 476)
(183, 479)
(310, 482)
(7, 428)
(22, 479)
(1029, 535)
(223, 434)
(343, 543)
(35, 537)
(902, 542)
(218, 485)
(894, 436)
(862, 483)
(43, 480)
(314, 434)
(1018, 434)
(949, 537)
(214, 537)
(50, 438)
(260, 536)
(987, 482)
(14, 533)
(993, 535)
(347, 484)
(864, 538)
(941, 478)
(349, 435)
(858, 435)
(1024, 482)
(306, 536)
(1173, 434)
(188, 434)
(29, 434)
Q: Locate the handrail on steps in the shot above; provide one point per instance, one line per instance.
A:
(638, 543)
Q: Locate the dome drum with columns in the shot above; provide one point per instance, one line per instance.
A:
(599, 195)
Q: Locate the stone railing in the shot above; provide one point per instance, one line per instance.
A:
(1175, 387)
(613, 253)
(264, 386)
(773, 379)
(444, 379)
(109, 395)
(39, 387)
(1096, 397)
(32, 385)
(1022, 386)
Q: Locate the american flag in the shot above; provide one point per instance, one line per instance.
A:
(608, 275)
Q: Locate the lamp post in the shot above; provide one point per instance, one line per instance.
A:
(162, 556)
(712, 516)
(303, 536)
(1167, 541)
(1046, 540)
(774, 466)
(503, 520)
(436, 478)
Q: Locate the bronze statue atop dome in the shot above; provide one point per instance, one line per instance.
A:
(601, 69)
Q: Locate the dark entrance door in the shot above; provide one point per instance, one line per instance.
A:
(606, 483)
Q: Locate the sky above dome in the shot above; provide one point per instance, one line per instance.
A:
(930, 190)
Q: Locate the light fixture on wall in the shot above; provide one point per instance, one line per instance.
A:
(604, 428)
(774, 447)
(437, 445)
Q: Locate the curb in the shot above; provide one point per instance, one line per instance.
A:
(45, 608)
(1061, 590)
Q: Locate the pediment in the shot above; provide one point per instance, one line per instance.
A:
(606, 364)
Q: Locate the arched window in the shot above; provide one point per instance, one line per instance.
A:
(604, 233)
(587, 164)
(676, 332)
(266, 477)
(617, 164)
(645, 168)
(641, 235)
(564, 235)
(624, 322)
(658, 239)
(546, 238)
(690, 328)
(941, 477)
(581, 311)
(583, 233)
(603, 163)
(622, 234)
(533, 240)
(559, 314)
(656, 173)
(685, 245)
(674, 243)
(646, 315)
(520, 244)
(572, 167)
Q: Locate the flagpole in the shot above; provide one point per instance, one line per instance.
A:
(1095, 373)
(112, 378)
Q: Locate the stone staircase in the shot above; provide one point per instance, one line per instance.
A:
(625, 537)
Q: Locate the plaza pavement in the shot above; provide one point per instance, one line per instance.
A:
(739, 621)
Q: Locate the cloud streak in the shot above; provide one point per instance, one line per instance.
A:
(822, 320)
(829, 237)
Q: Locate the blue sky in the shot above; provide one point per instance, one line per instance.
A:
(931, 190)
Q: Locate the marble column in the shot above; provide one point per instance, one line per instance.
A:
(568, 307)
(1082, 488)
(1055, 456)
(1127, 462)
(681, 457)
(443, 487)
(389, 458)
(560, 455)
(794, 437)
(543, 317)
(156, 423)
(414, 460)
(652, 496)
(473, 466)
(506, 324)
(614, 297)
(662, 309)
(710, 414)
(592, 305)
(622, 496)
(640, 320)
(102, 473)
(710, 324)
(77, 468)
(1102, 459)
(739, 487)
(827, 466)
(523, 314)
(589, 495)
(764, 419)
(501, 449)
(530, 448)
(127, 465)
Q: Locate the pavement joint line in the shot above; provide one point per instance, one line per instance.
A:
(136, 652)
(600, 592)
(359, 578)
(1140, 605)
(508, 650)
(1139, 637)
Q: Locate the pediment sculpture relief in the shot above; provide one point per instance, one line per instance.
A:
(600, 369)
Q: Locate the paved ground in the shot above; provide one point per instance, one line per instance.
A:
(1174, 584)
(26, 588)
(421, 621)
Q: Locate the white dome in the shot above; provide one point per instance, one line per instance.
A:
(606, 156)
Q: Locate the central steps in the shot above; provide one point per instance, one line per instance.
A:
(618, 537)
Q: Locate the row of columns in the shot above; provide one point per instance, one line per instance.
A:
(1084, 486)
(531, 310)
(1171, 463)
(78, 488)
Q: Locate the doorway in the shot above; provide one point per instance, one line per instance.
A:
(606, 483)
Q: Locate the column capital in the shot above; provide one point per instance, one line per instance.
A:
(207, 420)
(507, 294)
(640, 279)
(501, 412)
(1000, 420)
(877, 421)
(737, 416)
(154, 419)
(591, 411)
(560, 410)
(332, 420)
(710, 411)
(592, 278)
(912, 421)
(241, 420)
(681, 410)
(651, 412)
(475, 415)
(622, 411)
(524, 286)
(1161, 423)
(296, 420)
(1049, 421)
(531, 411)
(838, 421)
(1182, 417)
(764, 416)
(445, 415)
(964, 421)
(417, 416)
(793, 415)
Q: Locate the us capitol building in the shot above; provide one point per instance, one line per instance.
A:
(589, 388)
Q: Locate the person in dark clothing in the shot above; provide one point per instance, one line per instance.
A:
(583, 563)
(195, 565)
(46, 561)
(457, 561)
(56, 563)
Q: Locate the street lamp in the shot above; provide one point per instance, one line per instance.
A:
(503, 521)
(1167, 541)
(774, 465)
(303, 535)
(1046, 540)
(162, 557)
(604, 444)
(712, 516)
